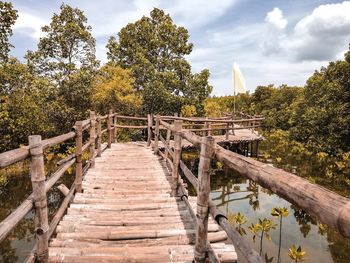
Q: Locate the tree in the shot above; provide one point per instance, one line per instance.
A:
(113, 89)
(326, 107)
(67, 46)
(8, 18)
(154, 48)
(66, 55)
(25, 105)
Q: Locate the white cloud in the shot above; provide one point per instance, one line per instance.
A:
(274, 31)
(275, 18)
(30, 25)
(323, 34)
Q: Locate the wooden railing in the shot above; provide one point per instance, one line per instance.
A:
(97, 127)
(329, 208)
(326, 206)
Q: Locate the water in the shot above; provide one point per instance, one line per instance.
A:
(230, 192)
(233, 194)
(13, 191)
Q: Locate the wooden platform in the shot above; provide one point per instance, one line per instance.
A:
(240, 136)
(126, 214)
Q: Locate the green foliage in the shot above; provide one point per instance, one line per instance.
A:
(326, 108)
(296, 254)
(66, 56)
(240, 220)
(67, 46)
(113, 88)
(24, 107)
(280, 212)
(154, 48)
(262, 229)
(188, 111)
(8, 17)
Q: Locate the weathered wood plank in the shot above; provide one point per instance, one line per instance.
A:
(126, 202)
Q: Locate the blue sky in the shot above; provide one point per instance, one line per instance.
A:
(273, 42)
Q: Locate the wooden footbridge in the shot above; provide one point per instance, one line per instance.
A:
(129, 203)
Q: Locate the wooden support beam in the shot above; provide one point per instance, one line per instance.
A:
(149, 129)
(115, 133)
(78, 155)
(92, 138)
(156, 135)
(206, 154)
(168, 135)
(99, 137)
(109, 128)
(37, 176)
(177, 156)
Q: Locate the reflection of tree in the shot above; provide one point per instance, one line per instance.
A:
(338, 246)
(304, 220)
(17, 189)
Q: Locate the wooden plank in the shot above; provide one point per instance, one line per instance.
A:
(126, 203)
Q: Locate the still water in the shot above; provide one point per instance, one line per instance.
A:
(230, 192)
(13, 191)
(234, 194)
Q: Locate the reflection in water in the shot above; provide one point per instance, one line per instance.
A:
(234, 194)
(18, 244)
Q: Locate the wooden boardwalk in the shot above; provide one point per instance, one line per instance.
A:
(126, 214)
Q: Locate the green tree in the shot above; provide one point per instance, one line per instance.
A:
(8, 18)
(113, 89)
(24, 105)
(326, 108)
(66, 55)
(154, 48)
(67, 46)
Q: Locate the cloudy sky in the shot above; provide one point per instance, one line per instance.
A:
(273, 42)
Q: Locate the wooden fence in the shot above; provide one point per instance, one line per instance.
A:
(328, 207)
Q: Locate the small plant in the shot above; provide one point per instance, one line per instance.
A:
(280, 212)
(262, 229)
(322, 229)
(296, 254)
(240, 220)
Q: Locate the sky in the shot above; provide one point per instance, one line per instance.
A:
(273, 42)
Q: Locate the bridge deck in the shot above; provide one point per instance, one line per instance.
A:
(126, 214)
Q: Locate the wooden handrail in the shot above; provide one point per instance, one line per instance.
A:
(131, 117)
(328, 207)
(41, 186)
(20, 154)
(239, 242)
(19, 213)
(225, 128)
(210, 120)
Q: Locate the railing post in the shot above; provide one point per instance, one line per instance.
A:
(177, 156)
(92, 138)
(115, 129)
(233, 124)
(99, 139)
(37, 176)
(109, 128)
(149, 129)
(206, 154)
(227, 130)
(156, 135)
(168, 135)
(78, 155)
(206, 125)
